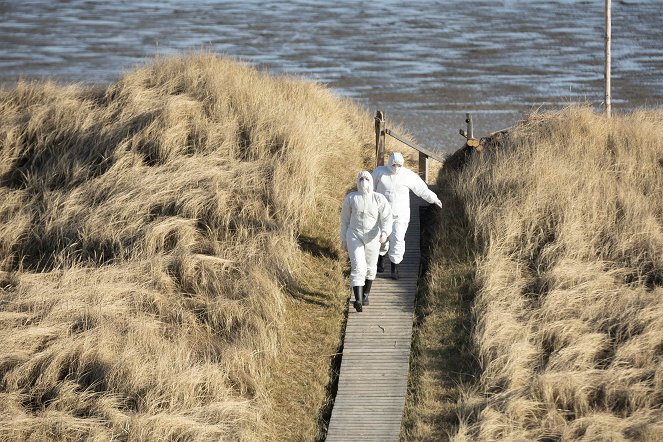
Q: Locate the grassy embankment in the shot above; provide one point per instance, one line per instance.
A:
(566, 223)
(169, 262)
(442, 357)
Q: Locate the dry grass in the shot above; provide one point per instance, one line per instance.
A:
(569, 331)
(442, 359)
(161, 240)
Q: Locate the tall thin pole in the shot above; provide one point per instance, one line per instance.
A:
(608, 37)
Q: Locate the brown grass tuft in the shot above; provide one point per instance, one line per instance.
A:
(152, 231)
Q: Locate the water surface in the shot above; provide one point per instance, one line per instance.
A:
(425, 63)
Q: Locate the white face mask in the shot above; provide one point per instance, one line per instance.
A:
(395, 168)
(364, 186)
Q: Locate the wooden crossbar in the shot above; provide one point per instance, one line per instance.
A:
(434, 155)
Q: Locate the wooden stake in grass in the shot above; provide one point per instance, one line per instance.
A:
(379, 138)
(608, 32)
(469, 133)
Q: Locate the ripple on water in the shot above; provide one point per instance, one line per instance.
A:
(424, 62)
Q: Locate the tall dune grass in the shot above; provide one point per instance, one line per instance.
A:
(442, 358)
(151, 233)
(569, 318)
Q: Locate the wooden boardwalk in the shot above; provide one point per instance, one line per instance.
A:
(376, 352)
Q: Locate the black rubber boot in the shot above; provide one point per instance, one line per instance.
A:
(367, 290)
(380, 264)
(359, 293)
(394, 271)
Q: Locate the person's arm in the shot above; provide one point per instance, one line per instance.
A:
(385, 218)
(420, 188)
(346, 213)
(376, 177)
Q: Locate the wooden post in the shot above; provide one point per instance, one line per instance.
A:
(379, 138)
(608, 37)
(423, 166)
(470, 141)
(470, 129)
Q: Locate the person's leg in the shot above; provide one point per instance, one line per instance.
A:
(397, 246)
(384, 249)
(397, 241)
(367, 291)
(357, 268)
(358, 291)
(372, 251)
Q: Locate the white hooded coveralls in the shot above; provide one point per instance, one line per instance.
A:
(364, 217)
(396, 187)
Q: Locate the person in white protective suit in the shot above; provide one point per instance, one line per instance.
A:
(395, 182)
(365, 224)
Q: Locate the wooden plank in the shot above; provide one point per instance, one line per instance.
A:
(373, 377)
(435, 155)
(375, 360)
(367, 341)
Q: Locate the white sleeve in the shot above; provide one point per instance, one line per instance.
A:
(420, 188)
(376, 177)
(346, 213)
(386, 220)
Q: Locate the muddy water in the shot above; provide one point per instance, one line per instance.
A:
(424, 62)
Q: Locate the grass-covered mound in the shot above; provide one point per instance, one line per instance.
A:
(567, 218)
(169, 253)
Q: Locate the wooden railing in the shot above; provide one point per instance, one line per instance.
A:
(381, 131)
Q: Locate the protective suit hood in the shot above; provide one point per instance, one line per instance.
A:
(365, 185)
(396, 158)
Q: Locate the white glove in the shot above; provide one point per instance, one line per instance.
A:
(344, 245)
(438, 203)
(383, 237)
(384, 247)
